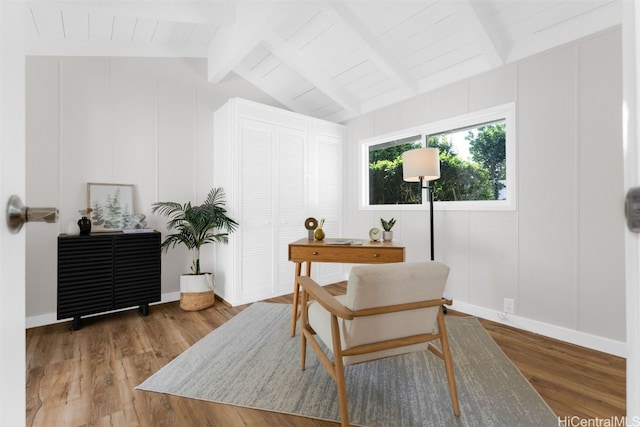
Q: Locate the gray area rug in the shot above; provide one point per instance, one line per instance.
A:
(251, 361)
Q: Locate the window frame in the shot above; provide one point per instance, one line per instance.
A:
(504, 111)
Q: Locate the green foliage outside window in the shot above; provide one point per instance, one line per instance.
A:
(488, 148)
(386, 186)
(479, 177)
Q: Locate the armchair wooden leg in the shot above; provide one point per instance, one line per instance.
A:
(339, 373)
(303, 330)
(448, 363)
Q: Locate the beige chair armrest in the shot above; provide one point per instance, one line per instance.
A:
(324, 298)
(401, 307)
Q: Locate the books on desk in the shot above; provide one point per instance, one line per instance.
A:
(344, 242)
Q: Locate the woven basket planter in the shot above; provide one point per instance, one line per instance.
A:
(196, 291)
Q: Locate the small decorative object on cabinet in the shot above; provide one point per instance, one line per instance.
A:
(107, 271)
(197, 226)
(84, 223)
(135, 222)
(73, 229)
(387, 235)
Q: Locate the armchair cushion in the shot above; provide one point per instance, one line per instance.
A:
(382, 285)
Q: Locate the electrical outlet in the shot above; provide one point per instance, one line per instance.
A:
(509, 305)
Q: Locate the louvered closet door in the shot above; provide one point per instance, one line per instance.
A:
(256, 209)
(329, 158)
(289, 168)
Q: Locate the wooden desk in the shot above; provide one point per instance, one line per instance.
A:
(309, 251)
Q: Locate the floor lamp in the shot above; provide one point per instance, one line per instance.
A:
(423, 165)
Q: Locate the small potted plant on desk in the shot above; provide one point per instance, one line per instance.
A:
(197, 226)
(387, 235)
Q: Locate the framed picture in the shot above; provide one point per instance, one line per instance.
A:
(110, 204)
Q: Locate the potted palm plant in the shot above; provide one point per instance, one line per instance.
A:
(194, 227)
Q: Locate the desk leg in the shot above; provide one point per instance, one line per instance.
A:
(296, 295)
(296, 292)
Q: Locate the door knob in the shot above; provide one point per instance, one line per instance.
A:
(18, 214)
(632, 209)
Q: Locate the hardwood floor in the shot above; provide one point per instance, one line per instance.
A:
(87, 377)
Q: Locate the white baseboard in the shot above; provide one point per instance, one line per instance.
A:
(51, 318)
(606, 345)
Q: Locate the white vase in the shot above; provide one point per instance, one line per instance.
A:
(73, 229)
(196, 291)
(387, 236)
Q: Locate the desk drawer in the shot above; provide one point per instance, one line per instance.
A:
(347, 254)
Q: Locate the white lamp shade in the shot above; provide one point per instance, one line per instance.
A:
(421, 162)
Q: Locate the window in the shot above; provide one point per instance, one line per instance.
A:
(386, 186)
(477, 153)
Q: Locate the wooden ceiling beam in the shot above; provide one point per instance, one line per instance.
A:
(235, 39)
(311, 69)
(375, 50)
(489, 42)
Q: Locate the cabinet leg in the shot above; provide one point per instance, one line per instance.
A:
(144, 309)
(76, 323)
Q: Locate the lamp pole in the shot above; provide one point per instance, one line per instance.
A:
(429, 189)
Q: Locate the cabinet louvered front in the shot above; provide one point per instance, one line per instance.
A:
(107, 271)
(137, 269)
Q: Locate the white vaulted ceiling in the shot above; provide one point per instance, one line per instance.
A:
(328, 59)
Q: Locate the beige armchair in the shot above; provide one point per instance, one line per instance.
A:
(388, 310)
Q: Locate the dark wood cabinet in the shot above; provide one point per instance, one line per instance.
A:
(107, 271)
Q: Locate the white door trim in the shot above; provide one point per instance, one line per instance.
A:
(631, 132)
(12, 181)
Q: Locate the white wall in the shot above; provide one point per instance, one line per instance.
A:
(560, 253)
(141, 121)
